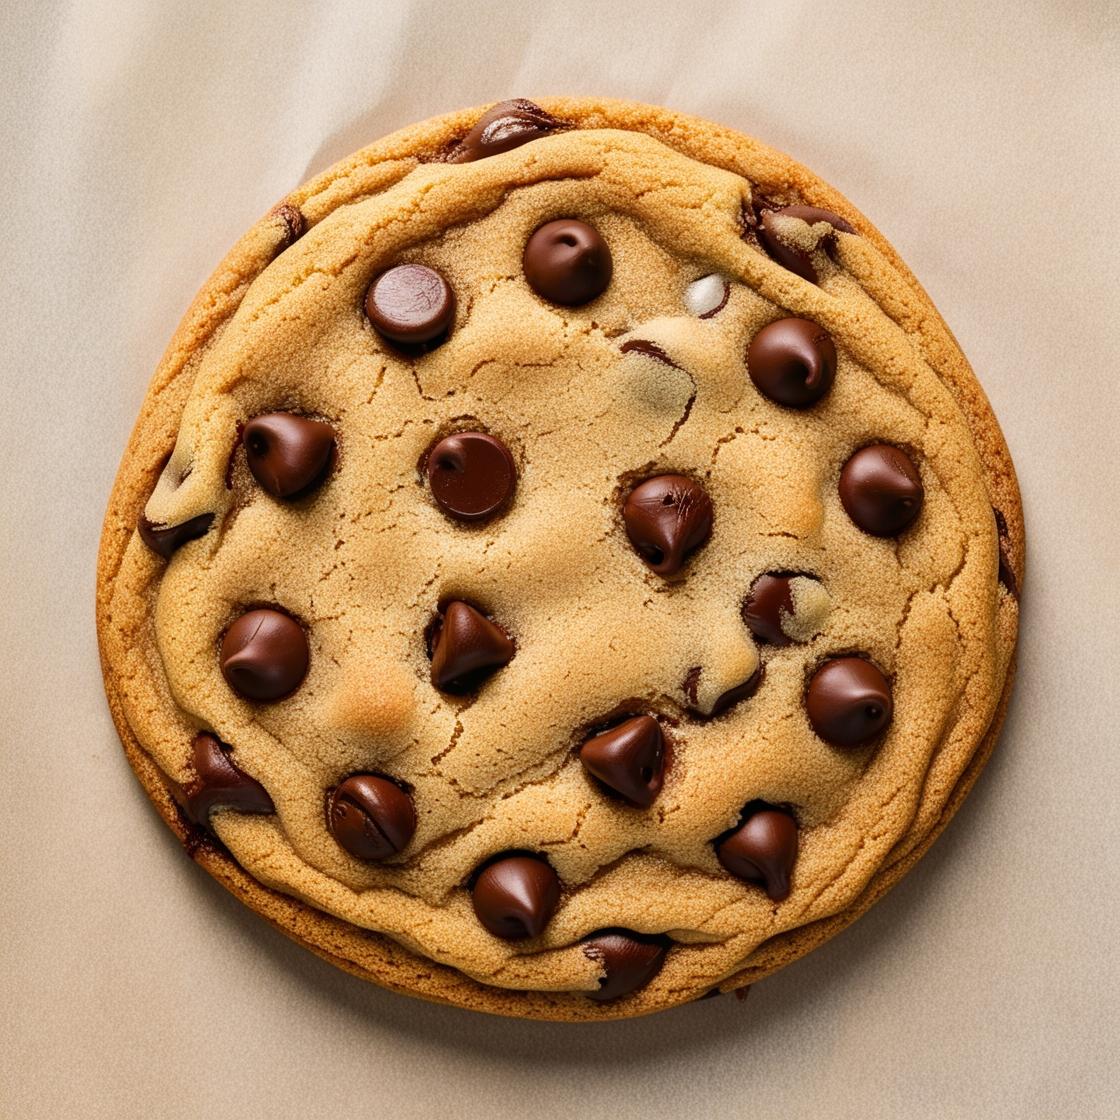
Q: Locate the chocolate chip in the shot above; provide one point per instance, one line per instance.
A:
(371, 817)
(264, 655)
(849, 701)
(163, 540)
(295, 225)
(515, 896)
(466, 648)
(411, 304)
(726, 699)
(471, 475)
(881, 490)
(792, 362)
(789, 256)
(288, 455)
(628, 759)
(567, 262)
(219, 784)
(769, 599)
(630, 961)
(762, 849)
(509, 124)
(667, 518)
(1005, 571)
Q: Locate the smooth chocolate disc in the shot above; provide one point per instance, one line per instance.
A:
(515, 897)
(630, 961)
(509, 124)
(628, 759)
(471, 475)
(288, 454)
(411, 304)
(667, 518)
(849, 701)
(567, 262)
(762, 850)
(768, 601)
(792, 362)
(881, 490)
(466, 648)
(264, 655)
(791, 256)
(163, 540)
(219, 784)
(371, 817)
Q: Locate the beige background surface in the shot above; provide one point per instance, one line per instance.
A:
(139, 140)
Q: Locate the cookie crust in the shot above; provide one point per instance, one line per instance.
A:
(377, 957)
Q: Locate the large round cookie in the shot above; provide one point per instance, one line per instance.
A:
(563, 565)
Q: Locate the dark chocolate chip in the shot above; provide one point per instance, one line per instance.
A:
(649, 349)
(726, 699)
(466, 648)
(629, 759)
(411, 304)
(762, 849)
(791, 256)
(509, 124)
(881, 490)
(667, 518)
(769, 599)
(849, 701)
(567, 262)
(219, 784)
(516, 896)
(288, 455)
(471, 475)
(163, 540)
(264, 655)
(371, 817)
(792, 362)
(630, 961)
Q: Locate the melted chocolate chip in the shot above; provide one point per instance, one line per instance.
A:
(471, 475)
(264, 655)
(768, 601)
(630, 961)
(219, 784)
(628, 759)
(667, 518)
(567, 262)
(371, 817)
(881, 490)
(466, 648)
(163, 540)
(849, 701)
(726, 699)
(509, 124)
(792, 362)
(515, 896)
(791, 256)
(288, 455)
(762, 849)
(411, 304)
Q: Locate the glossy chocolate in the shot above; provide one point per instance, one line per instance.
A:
(163, 540)
(509, 124)
(516, 896)
(762, 850)
(370, 816)
(881, 490)
(219, 784)
(792, 362)
(791, 256)
(567, 262)
(471, 475)
(264, 655)
(466, 648)
(411, 305)
(667, 518)
(769, 600)
(288, 455)
(630, 961)
(849, 701)
(628, 759)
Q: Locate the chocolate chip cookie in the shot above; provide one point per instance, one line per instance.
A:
(563, 566)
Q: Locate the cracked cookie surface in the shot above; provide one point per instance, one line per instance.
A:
(322, 561)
